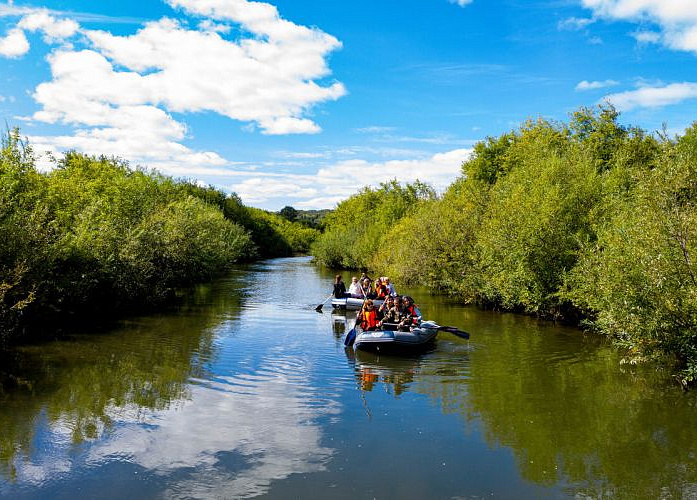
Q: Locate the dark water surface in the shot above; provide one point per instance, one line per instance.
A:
(246, 391)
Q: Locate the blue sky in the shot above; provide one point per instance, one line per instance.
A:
(304, 102)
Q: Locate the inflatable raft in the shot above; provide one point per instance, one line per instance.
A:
(352, 304)
(390, 339)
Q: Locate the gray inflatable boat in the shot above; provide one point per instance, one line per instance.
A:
(353, 304)
(390, 340)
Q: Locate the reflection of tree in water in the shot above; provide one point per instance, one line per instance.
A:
(80, 383)
(571, 417)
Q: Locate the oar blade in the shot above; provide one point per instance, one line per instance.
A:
(455, 331)
(350, 337)
(319, 308)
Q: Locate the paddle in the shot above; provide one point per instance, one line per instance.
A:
(455, 331)
(351, 335)
(319, 307)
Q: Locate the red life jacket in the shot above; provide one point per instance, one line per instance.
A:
(382, 292)
(369, 319)
(412, 310)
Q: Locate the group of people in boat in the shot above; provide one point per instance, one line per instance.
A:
(396, 312)
(363, 288)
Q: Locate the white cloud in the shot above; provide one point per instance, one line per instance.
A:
(461, 3)
(120, 93)
(14, 44)
(677, 19)
(54, 29)
(594, 85)
(336, 182)
(651, 97)
(647, 36)
(575, 23)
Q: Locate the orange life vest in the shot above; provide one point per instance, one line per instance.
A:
(369, 320)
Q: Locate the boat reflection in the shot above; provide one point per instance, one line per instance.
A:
(395, 373)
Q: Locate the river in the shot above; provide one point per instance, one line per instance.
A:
(245, 391)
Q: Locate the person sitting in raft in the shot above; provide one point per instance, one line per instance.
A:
(380, 289)
(390, 287)
(386, 306)
(339, 287)
(367, 289)
(355, 289)
(393, 316)
(369, 317)
(410, 314)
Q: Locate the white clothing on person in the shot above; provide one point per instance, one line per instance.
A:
(355, 291)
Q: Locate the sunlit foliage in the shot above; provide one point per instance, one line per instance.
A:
(96, 236)
(589, 221)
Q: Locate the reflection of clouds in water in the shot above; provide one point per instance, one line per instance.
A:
(232, 438)
(266, 419)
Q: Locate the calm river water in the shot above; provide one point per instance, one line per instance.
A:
(246, 391)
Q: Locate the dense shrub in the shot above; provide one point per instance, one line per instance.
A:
(353, 231)
(587, 221)
(96, 236)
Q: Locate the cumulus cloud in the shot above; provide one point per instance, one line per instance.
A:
(336, 182)
(53, 29)
(14, 44)
(594, 85)
(651, 97)
(677, 19)
(461, 3)
(120, 93)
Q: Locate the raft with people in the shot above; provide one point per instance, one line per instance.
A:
(391, 338)
(386, 320)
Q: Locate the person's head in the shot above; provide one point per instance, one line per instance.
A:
(366, 282)
(337, 279)
(354, 280)
(369, 304)
(398, 300)
(387, 280)
(389, 301)
(407, 300)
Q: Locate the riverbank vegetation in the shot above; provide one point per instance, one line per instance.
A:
(95, 236)
(589, 221)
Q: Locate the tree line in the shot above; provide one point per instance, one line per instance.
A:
(95, 236)
(590, 222)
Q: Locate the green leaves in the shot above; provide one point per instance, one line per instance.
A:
(94, 235)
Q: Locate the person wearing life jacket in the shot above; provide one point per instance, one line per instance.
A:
(410, 314)
(381, 290)
(367, 289)
(369, 317)
(393, 316)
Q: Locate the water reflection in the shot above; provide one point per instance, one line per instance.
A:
(236, 394)
(262, 422)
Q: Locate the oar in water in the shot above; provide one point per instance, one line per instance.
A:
(455, 331)
(319, 307)
(351, 335)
